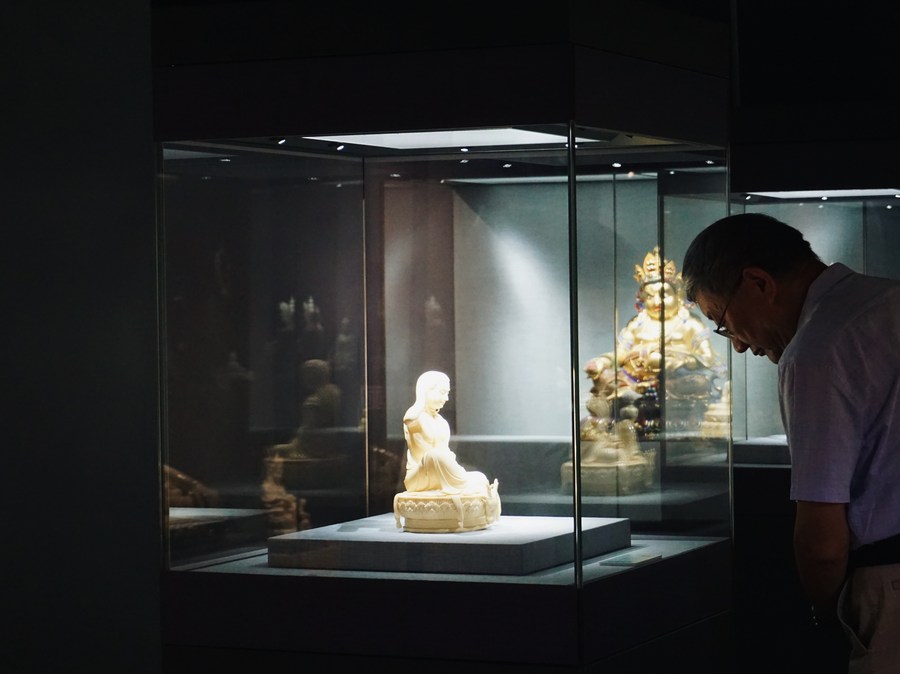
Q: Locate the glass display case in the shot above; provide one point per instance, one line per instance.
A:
(860, 228)
(310, 281)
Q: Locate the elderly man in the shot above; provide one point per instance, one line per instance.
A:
(835, 335)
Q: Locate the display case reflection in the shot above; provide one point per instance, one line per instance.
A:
(264, 358)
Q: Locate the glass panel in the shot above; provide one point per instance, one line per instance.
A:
(263, 316)
(477, 286)
(655, 424)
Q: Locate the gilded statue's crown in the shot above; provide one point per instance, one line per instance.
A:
(650, 271)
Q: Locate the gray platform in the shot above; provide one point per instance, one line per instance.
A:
(512, 546)
(767, 449)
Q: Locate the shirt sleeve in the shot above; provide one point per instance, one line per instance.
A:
(820, 418)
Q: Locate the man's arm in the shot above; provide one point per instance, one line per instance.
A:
(821, 551)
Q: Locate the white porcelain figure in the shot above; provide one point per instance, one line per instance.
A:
(441, 495)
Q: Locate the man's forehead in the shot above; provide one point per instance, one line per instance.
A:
(707, 302)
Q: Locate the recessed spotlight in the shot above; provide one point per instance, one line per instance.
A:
(340, 147)
(312, 179)
(824, 198)
(748, 198)
(281, 141)
(710, 162)
(507, 166)
(463, 161)
(224, 159)
(463, 149)
(616, 165)
(395, 175)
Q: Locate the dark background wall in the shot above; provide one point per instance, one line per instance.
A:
(815, 100)
(80, 469)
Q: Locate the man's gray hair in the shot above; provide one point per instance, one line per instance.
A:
(717, 255)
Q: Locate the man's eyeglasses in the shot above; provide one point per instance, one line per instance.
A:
(720, 328)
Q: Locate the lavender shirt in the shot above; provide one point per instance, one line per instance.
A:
(839, 388)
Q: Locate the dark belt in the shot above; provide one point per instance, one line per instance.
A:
(885, 551)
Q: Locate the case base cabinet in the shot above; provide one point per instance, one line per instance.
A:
(676, 610)
(706, 647)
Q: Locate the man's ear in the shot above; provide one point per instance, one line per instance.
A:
(760, 281)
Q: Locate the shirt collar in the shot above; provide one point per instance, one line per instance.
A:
(833, 274)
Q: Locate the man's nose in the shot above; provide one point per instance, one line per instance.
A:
(738, 345)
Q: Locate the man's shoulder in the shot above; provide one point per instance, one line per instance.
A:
(855, 295)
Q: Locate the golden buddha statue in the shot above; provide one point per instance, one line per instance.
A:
(663, 344)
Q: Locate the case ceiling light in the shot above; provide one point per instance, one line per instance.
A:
(824, 194)
(465, 138)
(545, 179)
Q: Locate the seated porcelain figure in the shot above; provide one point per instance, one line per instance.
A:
(441, 495)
